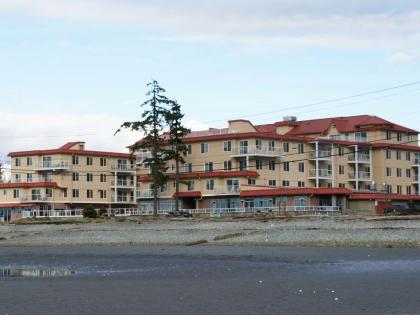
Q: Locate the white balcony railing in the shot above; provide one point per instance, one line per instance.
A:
(123, 199)
(322, 173)
(361, 176)
(226, 190)
(35, 198)
(123, 183)
(52, 213)
(261, 151)
(360, 157)
(52, 165)
(123, 168)
(146, 193)
(322, 154)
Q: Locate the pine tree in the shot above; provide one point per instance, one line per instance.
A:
(152, 124)
(178, 149)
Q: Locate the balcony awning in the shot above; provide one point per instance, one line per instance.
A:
(188, 194)
(15, 205)
(294, 192)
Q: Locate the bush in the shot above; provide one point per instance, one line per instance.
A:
(90, 212)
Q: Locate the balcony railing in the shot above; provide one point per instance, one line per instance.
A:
(123, 199)
(147, 193)
(123, 183)
(322, 154)
(35, 198)
(141, 156)
(226, 190)
(323, 173)
(416, 178)
(361, 176)
(361, 157)
(52, 213)
(52, 165)
(260, 151)
(123, 168)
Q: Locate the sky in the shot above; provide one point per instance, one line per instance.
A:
(75, 70)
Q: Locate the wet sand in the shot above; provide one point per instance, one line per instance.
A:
(210, 280)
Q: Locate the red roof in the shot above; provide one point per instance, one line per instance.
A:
(198, 175)
(406, 147)
(15, 205)
(295, 192)
(375, 196)
(188, 194)
(65, 149)
(29, 185)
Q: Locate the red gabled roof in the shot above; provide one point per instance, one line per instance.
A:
(188, 194)
(343, 125)
(65, 149)
(15, 205)
(295, 192)
(380, 196)
(198, 175)
(29, 185)
(406, 147)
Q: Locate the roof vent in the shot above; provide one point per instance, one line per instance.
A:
(289, 118)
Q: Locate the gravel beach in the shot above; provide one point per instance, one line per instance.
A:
(331, 231)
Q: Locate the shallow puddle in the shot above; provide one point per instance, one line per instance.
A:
(34, 273)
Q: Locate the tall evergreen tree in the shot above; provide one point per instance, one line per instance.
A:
(177, 132)
(1, 173)
(152, 124)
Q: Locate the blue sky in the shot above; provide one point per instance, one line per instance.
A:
(73, 70)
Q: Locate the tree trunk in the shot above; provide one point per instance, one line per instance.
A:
(177, 185)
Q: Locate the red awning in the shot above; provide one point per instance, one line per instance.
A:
(189, 194)
(15, 205)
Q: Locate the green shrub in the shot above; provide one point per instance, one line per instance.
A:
(90, 212)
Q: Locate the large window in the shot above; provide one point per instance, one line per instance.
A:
(208, 167)
(204, 148)
(227, 146)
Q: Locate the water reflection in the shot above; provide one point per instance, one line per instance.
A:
(34, 272)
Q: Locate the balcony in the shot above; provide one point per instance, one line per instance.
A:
(362, 176)
(141, 156)
(322, 155)
(123, 200)
(256, 151)
(361, 158)
(416, 162)
(226, 190)
(123, 168)
(322, 173)
(52, 166)
(143, 194)
(416, 179)
(35, 198)
(128, 184)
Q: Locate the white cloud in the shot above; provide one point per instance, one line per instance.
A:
(401, 58)
(281, 23)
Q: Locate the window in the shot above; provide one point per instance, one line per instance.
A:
(286, 146)
(399, 189)
(251, 181)
(102, 194)
(388, 135)
(227, 146)
(272, 183)
(48, 192)
(361, 136)
(272, 165)
(29, 161)
(408, 172)
(399, 136)
(388, 171)
(17, 162)
(15, 193)
(341, 169)
(259, 164)
(36, 194)
(243, 147)
(163, 188)
(408, 156)
(29, 178)
(208, 167)
(204, 148)
(341, 151)
(189, 149)
(302, 167)
(102, 178)
(191, 185)
(89, 193)
(187, 167)
(388, 189)
(102, 161)
(398, 153)
(410, 138)
(75, 193)
(388, 154)
(408, 190)
(243, 165)
(301, 148)
(75, 160)
(398, 172)
(89, 160)
(89, 177)
(227, 165)
(18, 178)
(271, 145)
(258, 144)
(210, 184)
(342, 185)
(286, 166)
(286, 183)
(301, 184)
(65, 193)
(75, 177)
